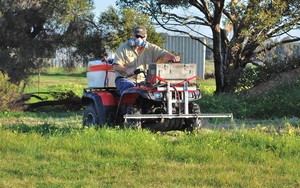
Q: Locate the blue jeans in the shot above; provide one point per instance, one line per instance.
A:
(123, 84)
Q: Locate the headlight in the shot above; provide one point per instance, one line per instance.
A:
(195, 94)
(158, 95)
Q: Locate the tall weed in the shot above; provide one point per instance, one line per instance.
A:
(9, 94)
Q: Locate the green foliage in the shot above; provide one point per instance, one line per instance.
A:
(276, 99)
(9, 94)
(91, 46)
(277, 103)
(119, 26)
(67, 90)
(75, 9)
(31, 32)
(244, 79)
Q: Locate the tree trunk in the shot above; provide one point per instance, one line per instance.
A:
(218, 60)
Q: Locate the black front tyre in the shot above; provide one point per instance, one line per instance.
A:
(90, 117)
(193, 124)
(133, 123)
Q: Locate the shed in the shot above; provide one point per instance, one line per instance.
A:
(189, 50)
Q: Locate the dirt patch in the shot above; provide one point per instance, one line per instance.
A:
(286, 78)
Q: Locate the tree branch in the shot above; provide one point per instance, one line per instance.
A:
(182, 32)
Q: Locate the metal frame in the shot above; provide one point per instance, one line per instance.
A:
(171, 101)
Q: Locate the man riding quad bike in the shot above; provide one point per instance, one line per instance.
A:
(164, 101)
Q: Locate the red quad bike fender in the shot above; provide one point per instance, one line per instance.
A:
(132, 94)
(105, 104)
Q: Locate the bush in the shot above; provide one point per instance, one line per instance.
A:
(9, 94)
(280, 102)
(250, 77)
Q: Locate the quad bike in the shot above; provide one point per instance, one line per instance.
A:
(164, 101)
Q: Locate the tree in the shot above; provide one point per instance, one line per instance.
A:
(118, 26)
(239, 28)
(31, 30)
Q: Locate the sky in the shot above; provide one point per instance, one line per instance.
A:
(102, 5)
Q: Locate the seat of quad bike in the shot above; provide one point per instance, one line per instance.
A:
(115, 93)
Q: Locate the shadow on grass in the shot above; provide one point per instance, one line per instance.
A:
(45, 129)
(80, 74)
(48, 120)
(73, 108)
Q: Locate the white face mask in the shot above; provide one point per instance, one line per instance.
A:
(139, 42)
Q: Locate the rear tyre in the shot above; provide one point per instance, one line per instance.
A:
(90, 117)
(193, 124)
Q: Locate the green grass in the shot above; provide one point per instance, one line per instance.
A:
(50, 149)
(56, 79)
(209, 67)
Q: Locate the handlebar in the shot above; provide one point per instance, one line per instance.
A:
(137, 71)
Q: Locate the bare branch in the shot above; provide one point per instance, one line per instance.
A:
(203, 8)
(273, 45)
(183, 32)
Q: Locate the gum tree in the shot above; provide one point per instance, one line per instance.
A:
(239, 29)
(118, 26)
(31, 31)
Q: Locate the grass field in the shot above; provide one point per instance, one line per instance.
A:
(58, 79)
(51, 149)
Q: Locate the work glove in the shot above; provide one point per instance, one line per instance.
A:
(137, 71)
